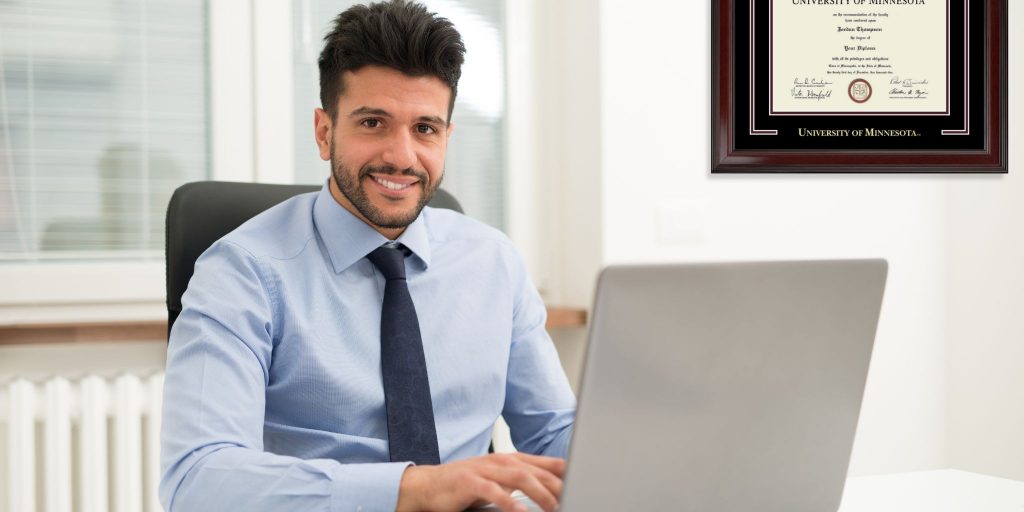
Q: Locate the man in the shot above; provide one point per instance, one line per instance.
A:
(351, 349)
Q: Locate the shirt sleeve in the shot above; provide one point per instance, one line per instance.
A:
(218, 364)
(539, 404)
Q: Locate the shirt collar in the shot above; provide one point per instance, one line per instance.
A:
(348, 239)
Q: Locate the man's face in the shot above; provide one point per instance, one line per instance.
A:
(387, 145)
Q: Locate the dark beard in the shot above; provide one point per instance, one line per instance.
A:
(351, 187)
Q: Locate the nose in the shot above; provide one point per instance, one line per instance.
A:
(400, 151)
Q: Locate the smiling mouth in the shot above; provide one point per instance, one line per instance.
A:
(393, 185)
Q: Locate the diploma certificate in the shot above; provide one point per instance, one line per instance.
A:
(859, 86)
(859, 57)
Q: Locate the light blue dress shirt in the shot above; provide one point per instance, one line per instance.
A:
(273, 397)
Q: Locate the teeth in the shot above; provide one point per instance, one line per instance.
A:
(390, 184)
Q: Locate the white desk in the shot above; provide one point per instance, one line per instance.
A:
(946, 490)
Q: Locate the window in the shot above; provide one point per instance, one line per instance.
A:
(106, 106)
(103, 113)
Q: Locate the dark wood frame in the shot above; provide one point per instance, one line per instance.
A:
(726, 158)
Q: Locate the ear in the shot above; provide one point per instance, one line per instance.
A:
(448, 132)
(323, 132)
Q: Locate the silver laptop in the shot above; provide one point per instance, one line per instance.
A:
(723, 386)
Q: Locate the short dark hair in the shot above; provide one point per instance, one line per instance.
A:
(398, 34)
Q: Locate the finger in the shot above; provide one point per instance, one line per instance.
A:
(549, 480)
(554, 465)
(552, 481)
(522, 477)
(494, 493)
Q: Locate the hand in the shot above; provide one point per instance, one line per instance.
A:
(490, 478)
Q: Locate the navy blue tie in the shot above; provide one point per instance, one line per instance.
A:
(411, 432)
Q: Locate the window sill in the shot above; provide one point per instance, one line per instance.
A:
(149, 330)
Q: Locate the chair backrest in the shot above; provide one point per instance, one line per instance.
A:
(202, 212)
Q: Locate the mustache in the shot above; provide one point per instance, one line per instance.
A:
(391, 170)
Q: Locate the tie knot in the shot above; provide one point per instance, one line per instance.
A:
(390, 261)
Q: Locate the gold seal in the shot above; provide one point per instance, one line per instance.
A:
(860, 90)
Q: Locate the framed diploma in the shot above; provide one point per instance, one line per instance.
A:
(859, 86)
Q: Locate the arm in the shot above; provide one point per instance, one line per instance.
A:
(539, 408)
(539, 405)
(218, 364)
(479, 480)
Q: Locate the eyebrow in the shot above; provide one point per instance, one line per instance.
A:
(362, 111)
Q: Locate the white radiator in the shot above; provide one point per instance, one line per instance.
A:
(89, 445)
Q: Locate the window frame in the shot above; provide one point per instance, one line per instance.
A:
(116, 291)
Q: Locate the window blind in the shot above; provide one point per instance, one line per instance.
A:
(103, 113)
(475, 167)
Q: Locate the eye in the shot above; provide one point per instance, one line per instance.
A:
(370, 122)
(425, 129)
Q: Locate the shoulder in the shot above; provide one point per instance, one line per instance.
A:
(280, 232)
(446, 226)
(470, 241)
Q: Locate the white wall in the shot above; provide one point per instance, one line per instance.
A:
(660, 203)
(985, 320)
(565, 199)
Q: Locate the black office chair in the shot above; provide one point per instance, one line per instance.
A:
(202, 212)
